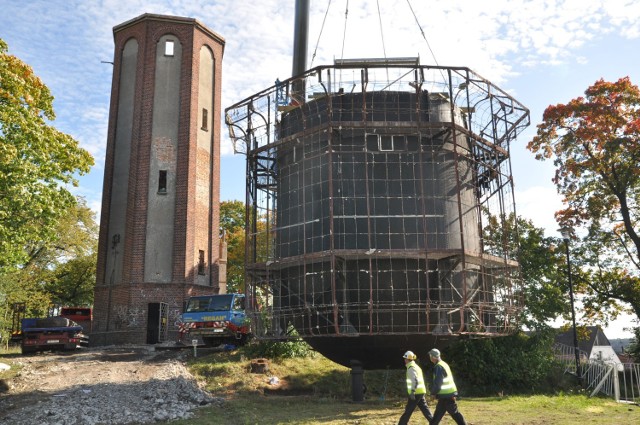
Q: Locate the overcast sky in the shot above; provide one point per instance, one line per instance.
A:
(541, 52)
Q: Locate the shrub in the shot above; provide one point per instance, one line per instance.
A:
(515, 364)
(279, 349)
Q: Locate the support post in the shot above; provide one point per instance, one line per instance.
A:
(357, 381)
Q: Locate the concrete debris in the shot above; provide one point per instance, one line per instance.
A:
(171, 393)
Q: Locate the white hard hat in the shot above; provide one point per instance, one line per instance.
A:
(409, 355)
(435, 353)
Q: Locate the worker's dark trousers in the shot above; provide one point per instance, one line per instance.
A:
(421, 403)
(447, 405)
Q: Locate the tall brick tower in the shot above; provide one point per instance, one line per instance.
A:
(159, 228)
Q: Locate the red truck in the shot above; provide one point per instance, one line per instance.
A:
(51, 333)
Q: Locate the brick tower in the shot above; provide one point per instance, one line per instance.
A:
(159, 228)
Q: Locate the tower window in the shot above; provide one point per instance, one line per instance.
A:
(205, 119)
(201, 262)
(162, 181)
(388, 143)
(385, 143)
(168, 48)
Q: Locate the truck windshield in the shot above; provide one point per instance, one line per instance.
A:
(212, 303)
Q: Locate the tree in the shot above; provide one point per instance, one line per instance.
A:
(595, 144)
(634, 347)
(71, 259)
(72, 282)
(37, 162)
(542, 263)
(232, 223)
(57, 272)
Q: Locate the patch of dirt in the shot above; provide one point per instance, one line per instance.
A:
(106, 385)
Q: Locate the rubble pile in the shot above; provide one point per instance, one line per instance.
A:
(115, 396)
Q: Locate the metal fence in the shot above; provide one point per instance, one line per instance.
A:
(620, 381)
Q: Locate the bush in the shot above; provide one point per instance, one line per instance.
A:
(279, 349)
(515, 364)
(634, 347)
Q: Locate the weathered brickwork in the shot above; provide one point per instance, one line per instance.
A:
(121, 307)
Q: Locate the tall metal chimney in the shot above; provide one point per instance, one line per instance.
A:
(300, 36)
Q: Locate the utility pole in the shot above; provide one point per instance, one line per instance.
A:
(576, 350)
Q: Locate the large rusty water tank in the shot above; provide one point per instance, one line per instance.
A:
(372, 205)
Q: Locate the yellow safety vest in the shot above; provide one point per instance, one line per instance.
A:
(417, 374)
(448, 386)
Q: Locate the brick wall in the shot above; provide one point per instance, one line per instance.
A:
(121, 308)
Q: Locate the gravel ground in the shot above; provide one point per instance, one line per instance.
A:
(106, 385)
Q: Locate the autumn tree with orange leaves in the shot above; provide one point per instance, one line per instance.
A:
(594, 142)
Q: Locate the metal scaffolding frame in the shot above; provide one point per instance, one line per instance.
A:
(380, 202)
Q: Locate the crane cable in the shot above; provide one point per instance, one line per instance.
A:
(384, 50)
(344, 33)
(427, 41)
(422, 32)
(320, 35)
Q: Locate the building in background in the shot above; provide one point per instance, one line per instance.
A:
(159, 232)
(593, 345)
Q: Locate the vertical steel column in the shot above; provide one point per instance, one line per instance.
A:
(300, 41)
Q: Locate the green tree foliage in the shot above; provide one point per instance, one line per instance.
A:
(634, 347)
(232, 223)
(72, 258)
(280, 349)
(37, 162)
(232, 215)
(72, 282)
(542, 264)
(515, 364)
(542, 267)
(594, 142)
(58, 272)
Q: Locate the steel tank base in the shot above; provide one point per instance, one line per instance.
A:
(378, 351)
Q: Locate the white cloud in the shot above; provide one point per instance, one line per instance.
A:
(66, 40)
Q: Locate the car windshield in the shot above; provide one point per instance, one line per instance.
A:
(212, 303)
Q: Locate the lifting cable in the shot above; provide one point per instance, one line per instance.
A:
(422, 32)
(384, 50)
(344, 33)
(344, 36)
(425, 40)
(320, 35)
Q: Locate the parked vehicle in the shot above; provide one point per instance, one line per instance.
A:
(217, 319)
(16, 322)
(81, 315)
(51, 333)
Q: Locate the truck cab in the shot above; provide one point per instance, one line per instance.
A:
(217, 319)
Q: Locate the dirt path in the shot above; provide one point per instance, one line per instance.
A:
(112, 385)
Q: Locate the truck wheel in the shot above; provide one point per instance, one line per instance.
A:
(212, 342)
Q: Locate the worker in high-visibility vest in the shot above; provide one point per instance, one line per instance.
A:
(444, 389)
(416, 389)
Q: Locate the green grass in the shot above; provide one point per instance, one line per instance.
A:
(533, 410)
(316, 391)
(6, 355)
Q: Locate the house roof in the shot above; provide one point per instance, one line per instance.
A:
(588, 337)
